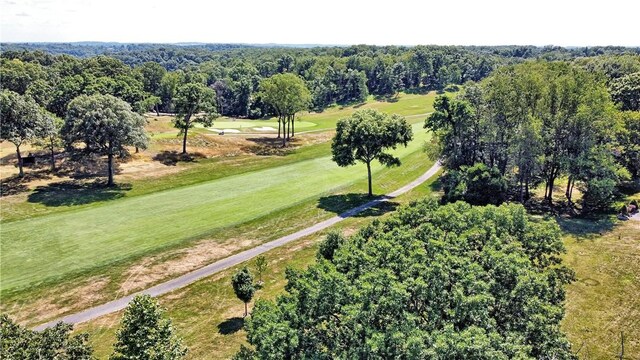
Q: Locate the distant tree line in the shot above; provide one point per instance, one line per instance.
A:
(148, 76)
(241, 81)
(533, 123)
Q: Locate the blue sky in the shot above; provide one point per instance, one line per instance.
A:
(400, 22)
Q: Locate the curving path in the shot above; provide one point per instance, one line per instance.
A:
(233, 260)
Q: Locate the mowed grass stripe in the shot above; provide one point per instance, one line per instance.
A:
(48, 247)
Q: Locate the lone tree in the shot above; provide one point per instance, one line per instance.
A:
(194, 103)
(22, 121)
(105, 125)
(243, 287)
(287, 94)
(366, 135)
(261, 266)
(145, 333)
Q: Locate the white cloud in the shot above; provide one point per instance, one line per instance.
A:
(457, 22)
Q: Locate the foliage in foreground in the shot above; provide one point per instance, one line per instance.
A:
(455, 281)
(52, 343)
(145, 334)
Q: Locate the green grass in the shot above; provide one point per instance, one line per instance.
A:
(205, 314)
(47, 248)
(604, 301)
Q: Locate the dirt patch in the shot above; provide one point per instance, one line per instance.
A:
(143, 168)
(59, 302)
(168, 265)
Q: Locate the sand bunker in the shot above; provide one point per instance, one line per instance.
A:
(225, 130)
(265, 128)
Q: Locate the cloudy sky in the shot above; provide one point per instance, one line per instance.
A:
(399, 22)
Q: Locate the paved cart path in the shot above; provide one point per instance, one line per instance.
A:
(233, 260)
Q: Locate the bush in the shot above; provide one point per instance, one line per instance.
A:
(477, 185)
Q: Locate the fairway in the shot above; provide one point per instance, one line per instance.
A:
(50, 247)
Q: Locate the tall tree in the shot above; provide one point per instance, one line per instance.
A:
(366, 135)
(243, 287)
(287, 94)
(49, 136)
(22, 121)
(146, 334)
(152, 75)
(194, 103)
(453, 124)
(105, 125)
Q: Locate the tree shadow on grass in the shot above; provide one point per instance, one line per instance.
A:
(341, 204)
(69, 193)
(269, 146)
(172, 158)
(583, 228)
(231, 326)
(15, 184)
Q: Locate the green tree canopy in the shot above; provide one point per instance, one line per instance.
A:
(145, 333)
(625, 91)
(194, 103)
(105, 125)
(430, 282)
(55, 342)
(243, 286)
(287, 94)
(366, 135)
(23, 121)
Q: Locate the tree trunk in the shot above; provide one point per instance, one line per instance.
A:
(552, 180)
(284, 130)
(110, 170)
(521, 191)
(184, 140)
(279, 123)
(53, 159)
(21, 174)
(246, 310)
(288, 127)
(568, 192)
(157, 110)
(369, 176)
(293, 125)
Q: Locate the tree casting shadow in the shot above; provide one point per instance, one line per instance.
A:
(270, 146)
(583, 228)
(171, 158)
(339, 204)
(231, 325)
(15, 184)
(69, 193)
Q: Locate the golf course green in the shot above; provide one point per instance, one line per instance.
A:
(50, 247)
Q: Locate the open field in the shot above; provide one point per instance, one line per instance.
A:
(49, 247)
(36, 305)
(81, 288)
(604, 301)
(207, 314)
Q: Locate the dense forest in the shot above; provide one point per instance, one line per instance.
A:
(147, 76)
